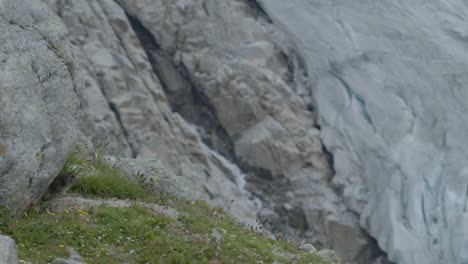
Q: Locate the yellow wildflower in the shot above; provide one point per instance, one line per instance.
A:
(49, 213)
(61, 246)
(66, 211)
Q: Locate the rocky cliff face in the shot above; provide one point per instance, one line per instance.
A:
(389, 80)
(133, 95)
(223, 96)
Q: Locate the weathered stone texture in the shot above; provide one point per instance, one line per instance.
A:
(8, 250)
(38, 100)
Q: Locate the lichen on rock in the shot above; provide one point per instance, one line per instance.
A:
(38, 100)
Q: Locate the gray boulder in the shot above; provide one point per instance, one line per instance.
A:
(7, 251)
(38, 100)
(329, 255)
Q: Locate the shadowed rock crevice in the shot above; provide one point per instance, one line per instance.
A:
(372, 253)
(183, 95)
(126, 135)
(256, 7)
(186, 98)
(195, 107)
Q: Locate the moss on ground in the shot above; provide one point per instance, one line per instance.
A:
(138, 234)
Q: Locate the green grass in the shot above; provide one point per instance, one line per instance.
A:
(108, 235)
(98, 178)
(137, 234)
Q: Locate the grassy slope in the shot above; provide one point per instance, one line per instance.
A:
(137, 234)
